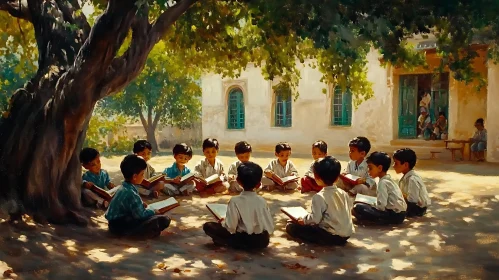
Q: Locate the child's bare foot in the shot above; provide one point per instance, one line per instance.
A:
(155, 194)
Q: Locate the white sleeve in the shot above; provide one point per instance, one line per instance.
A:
(231, 218)
(318, 208)
(382, 197)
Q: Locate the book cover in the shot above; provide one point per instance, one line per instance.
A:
(210, 180)
(187, 177)
(370, 200)
(282, 181)
(164, 206)
(148, 182)
(295, 213)
(217, 210)
(349, 178)
(103, 193)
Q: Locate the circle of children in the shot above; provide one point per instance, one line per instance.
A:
(248, 222)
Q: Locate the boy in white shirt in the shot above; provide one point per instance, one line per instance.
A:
(209, 166)
(390, 206)
(308, 183)
(282, 167)
(248, 222)
(359, 147)
(243, 153)
(330, 222)
(412, 186)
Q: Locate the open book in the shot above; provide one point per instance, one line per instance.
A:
(284, 180)
(187, 178)
(210, 180)
(146, 183)
(294, 213)
(106, 195)
(164, 206)
(370, 200)
(217, 210)
(350, 179)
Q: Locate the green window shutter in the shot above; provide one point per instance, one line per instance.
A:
(282, 111)
(235, 119)
(341, 108)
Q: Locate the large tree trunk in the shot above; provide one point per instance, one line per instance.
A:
(150, 129)
(42, 136)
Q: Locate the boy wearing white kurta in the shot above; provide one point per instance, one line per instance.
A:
(330, 222)
(248, 223)
(390, 206)
(243, 153)
(412, 185)
(211, 165)
(282, 167)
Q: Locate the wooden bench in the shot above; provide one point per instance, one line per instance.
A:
(434, 153)
(454, 150)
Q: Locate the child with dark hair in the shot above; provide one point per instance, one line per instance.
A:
(308, 183)
(210, 166)
(412, 186)
(440, 127)
(182, 154)
(95, 175)
(243, 153)
(479, 140)
(390, 206)
(143, 149)
(248, 222)
(282, 167)
(127, 214)
(359, 147)
(330, 222)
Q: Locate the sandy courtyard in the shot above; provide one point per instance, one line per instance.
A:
(458, 239)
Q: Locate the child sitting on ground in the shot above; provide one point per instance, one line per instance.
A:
(209, 166)
(412, 186)
(144, 149)
(330, 222)
(182, 154)
(243, 153)
(248, 222)
(90, 160)
(390, 206)
(127, 215)
(358, 149)
(282, 167)
(308, 183)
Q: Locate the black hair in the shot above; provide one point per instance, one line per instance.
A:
(131, 165)
(361, 143)
(480, 121)
(249, 175)
(183, 149)
(380, 158)
(242, 147)
(406, 155)
(210, 143)
(141, 145)
(88, 154)
(442, 114)
(282, 146)
(321, 145)
(327, 169)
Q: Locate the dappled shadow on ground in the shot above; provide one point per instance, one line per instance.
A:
(457, 239)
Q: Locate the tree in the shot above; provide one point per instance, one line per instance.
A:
(165, 92)
(13, 74)
(79, 64)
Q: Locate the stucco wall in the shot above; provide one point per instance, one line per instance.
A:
(493, 113)
(311, 112)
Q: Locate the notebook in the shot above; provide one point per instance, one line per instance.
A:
(349, 178)
(295, 213)
(370, 200)
(164, 206)
(217, 210)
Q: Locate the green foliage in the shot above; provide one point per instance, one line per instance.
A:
(100, 127)
(13, 74)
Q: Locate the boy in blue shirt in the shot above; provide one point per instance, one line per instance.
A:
(127, 214)
(90, 160)
(182, 154)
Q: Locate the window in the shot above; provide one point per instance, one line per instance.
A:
(341, 108)
(282, 109)
(235, 111)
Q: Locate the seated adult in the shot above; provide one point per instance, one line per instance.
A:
(424, 124)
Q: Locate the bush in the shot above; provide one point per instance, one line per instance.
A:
(101, 128)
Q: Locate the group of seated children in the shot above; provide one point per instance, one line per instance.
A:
(248, 222)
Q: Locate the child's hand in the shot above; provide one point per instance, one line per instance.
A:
(221, 220)
(269, 173)
(300, 221)
(157, 212)
(231, 178)
(361, 181)
(87, 185)
(145, 204)
(111, 186)
(176, 180)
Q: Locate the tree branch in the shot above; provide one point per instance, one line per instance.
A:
(16, 8)
(142, 119)
(69, 9)
(167, 18)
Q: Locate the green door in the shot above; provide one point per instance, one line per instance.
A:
(408, 109)
(439, 103)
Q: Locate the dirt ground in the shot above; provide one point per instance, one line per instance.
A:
(458, 239)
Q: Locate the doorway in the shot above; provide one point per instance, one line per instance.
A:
(422, 92)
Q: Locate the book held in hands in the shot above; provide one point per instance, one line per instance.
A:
(349, 178)
(295, 213)
(164, 206)
(210, 180)
(369, 200)
(217, 210)
(187, 178)
(146, 183)
(284, 180)
(106, 195)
